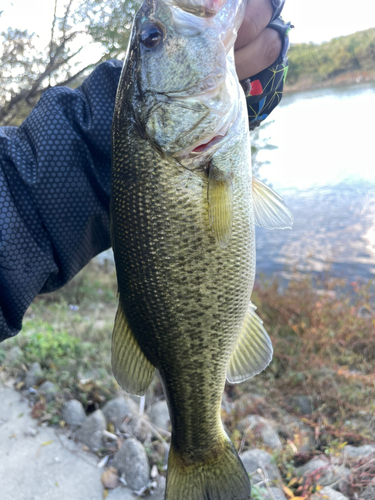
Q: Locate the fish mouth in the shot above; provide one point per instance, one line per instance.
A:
(202, 148)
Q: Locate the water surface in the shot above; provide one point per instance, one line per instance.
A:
(320, 159)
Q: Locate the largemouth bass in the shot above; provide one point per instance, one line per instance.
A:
(183, 210)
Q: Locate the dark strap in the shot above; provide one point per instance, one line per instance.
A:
(264, 90)
(278, 6)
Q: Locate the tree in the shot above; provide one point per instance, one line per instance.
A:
(26, 72)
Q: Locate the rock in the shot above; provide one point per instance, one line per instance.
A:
(121, 493)
(110, 478)
(91, 432)
(160, 490)
(328, 494)
(13, 356)
(326, 474)
(132, 460)
(160, 452)
(260, 459)
(358, 451)
(293, 428)
(303, 404)
(119, 409)
(364, 312)
(277, 494)
(73, 413)
(49, 390)
(369, 492)
(246, 404)
(263, 429)
(159, 415)
(30, 432)
(34, 375)
(312, 466)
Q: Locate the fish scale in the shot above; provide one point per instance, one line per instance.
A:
(183, 234)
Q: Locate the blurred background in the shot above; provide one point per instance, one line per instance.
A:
(314, 288)
(315, 149)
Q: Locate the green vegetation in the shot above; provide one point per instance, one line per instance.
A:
(68, 333)
(311, 64)
(323, 337)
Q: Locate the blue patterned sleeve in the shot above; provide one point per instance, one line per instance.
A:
(54, 191)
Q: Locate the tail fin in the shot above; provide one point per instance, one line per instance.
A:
(221, 477)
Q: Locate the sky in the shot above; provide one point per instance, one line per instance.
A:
(314, 20)
(320, 20)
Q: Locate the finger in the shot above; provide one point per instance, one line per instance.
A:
(257, 16)
(259, 54)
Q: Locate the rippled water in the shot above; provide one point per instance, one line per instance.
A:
(320, 159)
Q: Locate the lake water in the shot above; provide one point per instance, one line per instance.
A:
(320, 157)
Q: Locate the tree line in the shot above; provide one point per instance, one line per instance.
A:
(26, 71)
(318, 63)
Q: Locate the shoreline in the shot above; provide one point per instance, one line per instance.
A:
(343, 79)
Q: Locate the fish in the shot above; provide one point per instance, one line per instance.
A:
(183, 211)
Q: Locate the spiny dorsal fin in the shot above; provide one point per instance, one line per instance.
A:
(270, 210)
(220, 205)
(253, 350)
(131, 368)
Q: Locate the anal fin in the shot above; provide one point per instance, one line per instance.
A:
(253, 350)
(132, 370)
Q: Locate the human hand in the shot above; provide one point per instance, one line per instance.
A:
(257, 46)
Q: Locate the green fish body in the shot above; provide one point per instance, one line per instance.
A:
(183, 211)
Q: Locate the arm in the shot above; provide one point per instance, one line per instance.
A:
(55, 180)
(54, 191)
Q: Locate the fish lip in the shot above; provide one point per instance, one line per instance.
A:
(206, 153)
(215, 141)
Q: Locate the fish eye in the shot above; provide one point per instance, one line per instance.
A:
(151, 35)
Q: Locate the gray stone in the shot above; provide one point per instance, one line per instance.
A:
(119, 409)
(263, 429)
(121, 493)
(159, 415)
(335, 476)
(364, 312)
(132, 460)
(49, 390)
(73, 413)
(13, 356)
(328, 494)
(303, 404)
(358, 451)
(312, 466)
(34, 375)
(277, 494)
(369, 492)
(292, 426)
(260, 459)
(159, 493)
(91, 432)
(30, 432)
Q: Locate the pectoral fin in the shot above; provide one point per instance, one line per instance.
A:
(131, 368)
(220, 205)
(270, 210)
(253, 351)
